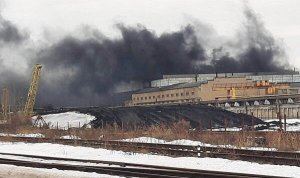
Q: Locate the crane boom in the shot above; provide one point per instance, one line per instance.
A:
(28, 110)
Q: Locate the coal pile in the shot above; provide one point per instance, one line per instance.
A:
(199, 116)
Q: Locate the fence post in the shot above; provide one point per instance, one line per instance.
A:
(252, 124)
(200, 125)
(225, 124)
(280, 122)
(211, 125)
(68, 125)
(284, 123)
(243, 123)
(57, 125)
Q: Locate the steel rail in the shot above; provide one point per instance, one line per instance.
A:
(125, 169)
(273, 157)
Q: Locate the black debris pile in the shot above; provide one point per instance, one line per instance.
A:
(199, 116)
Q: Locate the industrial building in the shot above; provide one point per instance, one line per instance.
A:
(272, 77)
(260, 94)
(219, 88)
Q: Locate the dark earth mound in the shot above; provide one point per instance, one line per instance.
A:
(199, 116)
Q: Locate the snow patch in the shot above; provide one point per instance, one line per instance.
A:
(25, 172)
(218, 164)
(190, 142)
(23, 135)
(292, 125)
(70, 137)
(67, 120)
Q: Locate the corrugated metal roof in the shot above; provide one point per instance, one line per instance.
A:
(230, 74)
(170, 87)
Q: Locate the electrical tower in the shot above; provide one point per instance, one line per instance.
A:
(28, 110)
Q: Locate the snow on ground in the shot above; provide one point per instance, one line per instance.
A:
(67, 120)
(25, 172)
(288, 121)
(23, 135)
(292, 125)
(190, 142)
(70, 137)
(227, 129)
(218, 164)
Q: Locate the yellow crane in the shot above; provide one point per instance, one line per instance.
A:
(28, 109)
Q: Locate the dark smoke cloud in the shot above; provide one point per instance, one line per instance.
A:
(9, 33)
(259, 51)
(11, 37)
(87, 71)
(98, 65)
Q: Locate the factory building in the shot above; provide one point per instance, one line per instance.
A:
(208, 89)
(289, 77)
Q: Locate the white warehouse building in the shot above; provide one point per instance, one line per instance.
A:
(293, 77)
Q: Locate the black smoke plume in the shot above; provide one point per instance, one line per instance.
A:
(9, 33)
(259, 51)
(88, 71)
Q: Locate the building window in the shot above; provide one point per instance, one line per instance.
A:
(162, 96)
(153, 97)
(158, 96)
(138, 98)
(172, 95)
(145, 97)
(193, 93)
(187, 93)
(167, 95)
(177, 94)
(181, 94)
(149, 97)
(141, 98)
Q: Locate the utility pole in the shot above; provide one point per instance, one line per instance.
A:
(5, 103)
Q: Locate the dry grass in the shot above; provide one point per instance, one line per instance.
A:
(179, 130)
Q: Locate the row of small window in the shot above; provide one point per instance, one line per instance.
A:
(168, 102)
(163, 96)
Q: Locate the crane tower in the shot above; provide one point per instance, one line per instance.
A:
(28, 109)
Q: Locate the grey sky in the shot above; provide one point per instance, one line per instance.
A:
(45, 19)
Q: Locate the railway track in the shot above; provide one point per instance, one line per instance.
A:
(271, 157)
(119, 168)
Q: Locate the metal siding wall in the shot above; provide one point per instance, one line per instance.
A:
(206, 77)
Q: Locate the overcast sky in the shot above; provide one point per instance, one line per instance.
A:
(53, 18)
